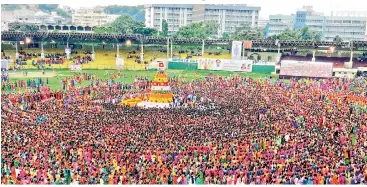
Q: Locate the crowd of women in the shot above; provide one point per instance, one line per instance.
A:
(236, 131)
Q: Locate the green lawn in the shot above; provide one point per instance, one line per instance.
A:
(129, 76)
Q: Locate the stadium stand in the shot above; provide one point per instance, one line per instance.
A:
(338, 62)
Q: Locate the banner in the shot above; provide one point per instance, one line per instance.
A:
(119, 63)
(161, 65)
(4, 64)
(75, 67)
(67, 50)
(225, 64)
(236, 50)
(306, 69)
(210, 64)
(247, 44)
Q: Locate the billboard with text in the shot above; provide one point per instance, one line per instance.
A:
(306, 69)
(225, 64)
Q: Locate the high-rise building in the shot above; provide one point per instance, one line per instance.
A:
(92, 17)
(28, 16)
(347, 27)
(228, 17)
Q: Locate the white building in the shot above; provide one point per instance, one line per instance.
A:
(347, 27)
(278, 23)
(30, 17)
(92, 17)
(228, 17)
(262, 23)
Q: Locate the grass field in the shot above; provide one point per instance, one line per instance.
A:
(55, 77)
(105, 59)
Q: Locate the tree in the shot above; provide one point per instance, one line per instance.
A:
(164, 32)
(199, 30)
(105, 30)
(288, 34)
(245, 32)
(307, 34)
(62, 13)
(10, 7)
(337, 38)
(315, 36)
(137, 12)
(146, 31)
(303, 34)
(225, 36)
(48, 7)
(124, 24)
(23, 27)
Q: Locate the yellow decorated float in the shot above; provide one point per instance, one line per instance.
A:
(160, 95)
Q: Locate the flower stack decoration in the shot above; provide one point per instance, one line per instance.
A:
(160, 90)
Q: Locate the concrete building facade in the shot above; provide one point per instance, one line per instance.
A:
(92, 17)
(347, 27)
(228, 17)
(30, 17)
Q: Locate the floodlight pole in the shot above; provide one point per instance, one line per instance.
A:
(167, 47)
(351, 56)
(351, 52)
(171, 48)
(202, 48)
(42, 52)
(93, 54)
(142, 51)
(244, 50)
(16, 50)
(278, 49)
(68, 51)
(117, 51)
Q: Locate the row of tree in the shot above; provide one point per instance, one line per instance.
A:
(137, 12)
(206, 30)
(54, 8)
(126, 24)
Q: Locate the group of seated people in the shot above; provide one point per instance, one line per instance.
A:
(82, 59)
(49, 61)
(215, 53)
(3, 56)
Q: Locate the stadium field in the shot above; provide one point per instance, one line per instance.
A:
(56, 76)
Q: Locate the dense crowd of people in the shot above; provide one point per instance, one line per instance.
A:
(225, 130)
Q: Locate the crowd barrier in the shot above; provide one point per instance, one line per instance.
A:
(88, 66)
(182, 66)
(265, 69)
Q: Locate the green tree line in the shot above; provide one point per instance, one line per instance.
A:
(127, 24)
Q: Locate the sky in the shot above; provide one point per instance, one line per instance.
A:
(268, 7)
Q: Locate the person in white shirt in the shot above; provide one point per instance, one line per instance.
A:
(286, 137)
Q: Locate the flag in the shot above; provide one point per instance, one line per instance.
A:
(353, 136)
(353, 142)
(295, 124)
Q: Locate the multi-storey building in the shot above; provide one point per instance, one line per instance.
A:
(262, 23)
(347, 27)
(278, 23)
(92, 17)
(30, 17)
(228, 17)
(175, 15)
